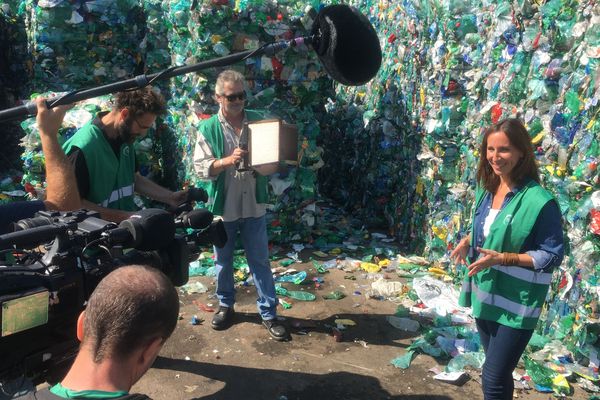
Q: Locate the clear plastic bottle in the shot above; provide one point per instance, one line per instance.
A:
(404, 324)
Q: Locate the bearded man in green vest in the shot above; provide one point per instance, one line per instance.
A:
(515, 241)
(239, 197)
(103, 156)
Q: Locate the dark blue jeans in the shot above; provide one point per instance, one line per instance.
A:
(253, 232)
(503, 347)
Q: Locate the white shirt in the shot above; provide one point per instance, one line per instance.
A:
(240, 187)
(489, 220)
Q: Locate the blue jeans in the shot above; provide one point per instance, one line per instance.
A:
(503, 347)
(253, 233)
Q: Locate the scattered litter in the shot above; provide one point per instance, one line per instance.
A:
(385, 288)
(203, 307)
(193, 288)
(343, 323)
(403, 361)
(190, 388)
(455, 378)
(338, 336)
(404, 324)
(296, 278)
(335, 295)
(295, 294)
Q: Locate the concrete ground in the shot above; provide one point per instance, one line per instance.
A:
(244, 362)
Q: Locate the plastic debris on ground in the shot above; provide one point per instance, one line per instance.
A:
(398, 153)
(294, 294)
(193, 288)
(405, 324)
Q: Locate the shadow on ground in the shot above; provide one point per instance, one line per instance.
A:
(253, 383)
(373, 329)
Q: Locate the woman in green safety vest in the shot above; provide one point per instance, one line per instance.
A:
(514, 243)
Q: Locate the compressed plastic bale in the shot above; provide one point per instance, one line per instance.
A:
(460, 70)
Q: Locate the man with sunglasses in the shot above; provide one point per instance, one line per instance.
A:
(103, 156)
(239, 197)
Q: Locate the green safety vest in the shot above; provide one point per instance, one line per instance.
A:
(111, 179)
(510, 295)
(213, 133)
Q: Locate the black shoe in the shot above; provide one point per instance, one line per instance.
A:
(223, 318)
(277, 330)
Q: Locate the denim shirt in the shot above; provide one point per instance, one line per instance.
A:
(545, 242)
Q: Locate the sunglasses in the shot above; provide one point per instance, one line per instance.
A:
(235, 96)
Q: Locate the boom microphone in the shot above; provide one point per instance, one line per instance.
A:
(347, 44)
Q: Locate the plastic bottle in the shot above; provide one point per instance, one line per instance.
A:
(294, 294)
(539, 374)
(319, 267)
(461, 361)
(280, 290)
(402, 311)
(221, 49)
(297, 278)
(285, 304)
(335, 295)
(300, 295)
(404, 324)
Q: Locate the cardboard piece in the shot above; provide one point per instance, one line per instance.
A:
(271, 141)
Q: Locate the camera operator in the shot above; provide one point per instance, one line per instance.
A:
(103, 156)
(61, 189)
(129, 316)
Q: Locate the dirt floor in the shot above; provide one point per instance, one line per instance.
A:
(244, 362)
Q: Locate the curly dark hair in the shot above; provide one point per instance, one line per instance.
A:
(526, 169)
(141, 101)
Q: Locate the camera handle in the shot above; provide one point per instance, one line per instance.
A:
(59, 249)
(194, 194)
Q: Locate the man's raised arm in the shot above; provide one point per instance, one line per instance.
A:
(61, 188)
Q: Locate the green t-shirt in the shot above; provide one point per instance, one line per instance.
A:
(63, 392)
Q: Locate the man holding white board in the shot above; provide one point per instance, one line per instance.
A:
(239, 197)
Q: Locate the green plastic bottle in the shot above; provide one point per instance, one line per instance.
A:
(300, 295)
(336, 295)
(538, 373)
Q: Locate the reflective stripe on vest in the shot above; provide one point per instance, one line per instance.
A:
(502, 302)
(466, 285)
(527, 275)
(117, 194)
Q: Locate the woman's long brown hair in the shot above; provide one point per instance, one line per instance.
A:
(525, 169)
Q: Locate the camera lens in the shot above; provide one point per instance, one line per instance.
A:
(29, 223)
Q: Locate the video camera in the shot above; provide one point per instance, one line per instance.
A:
(56, 259)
